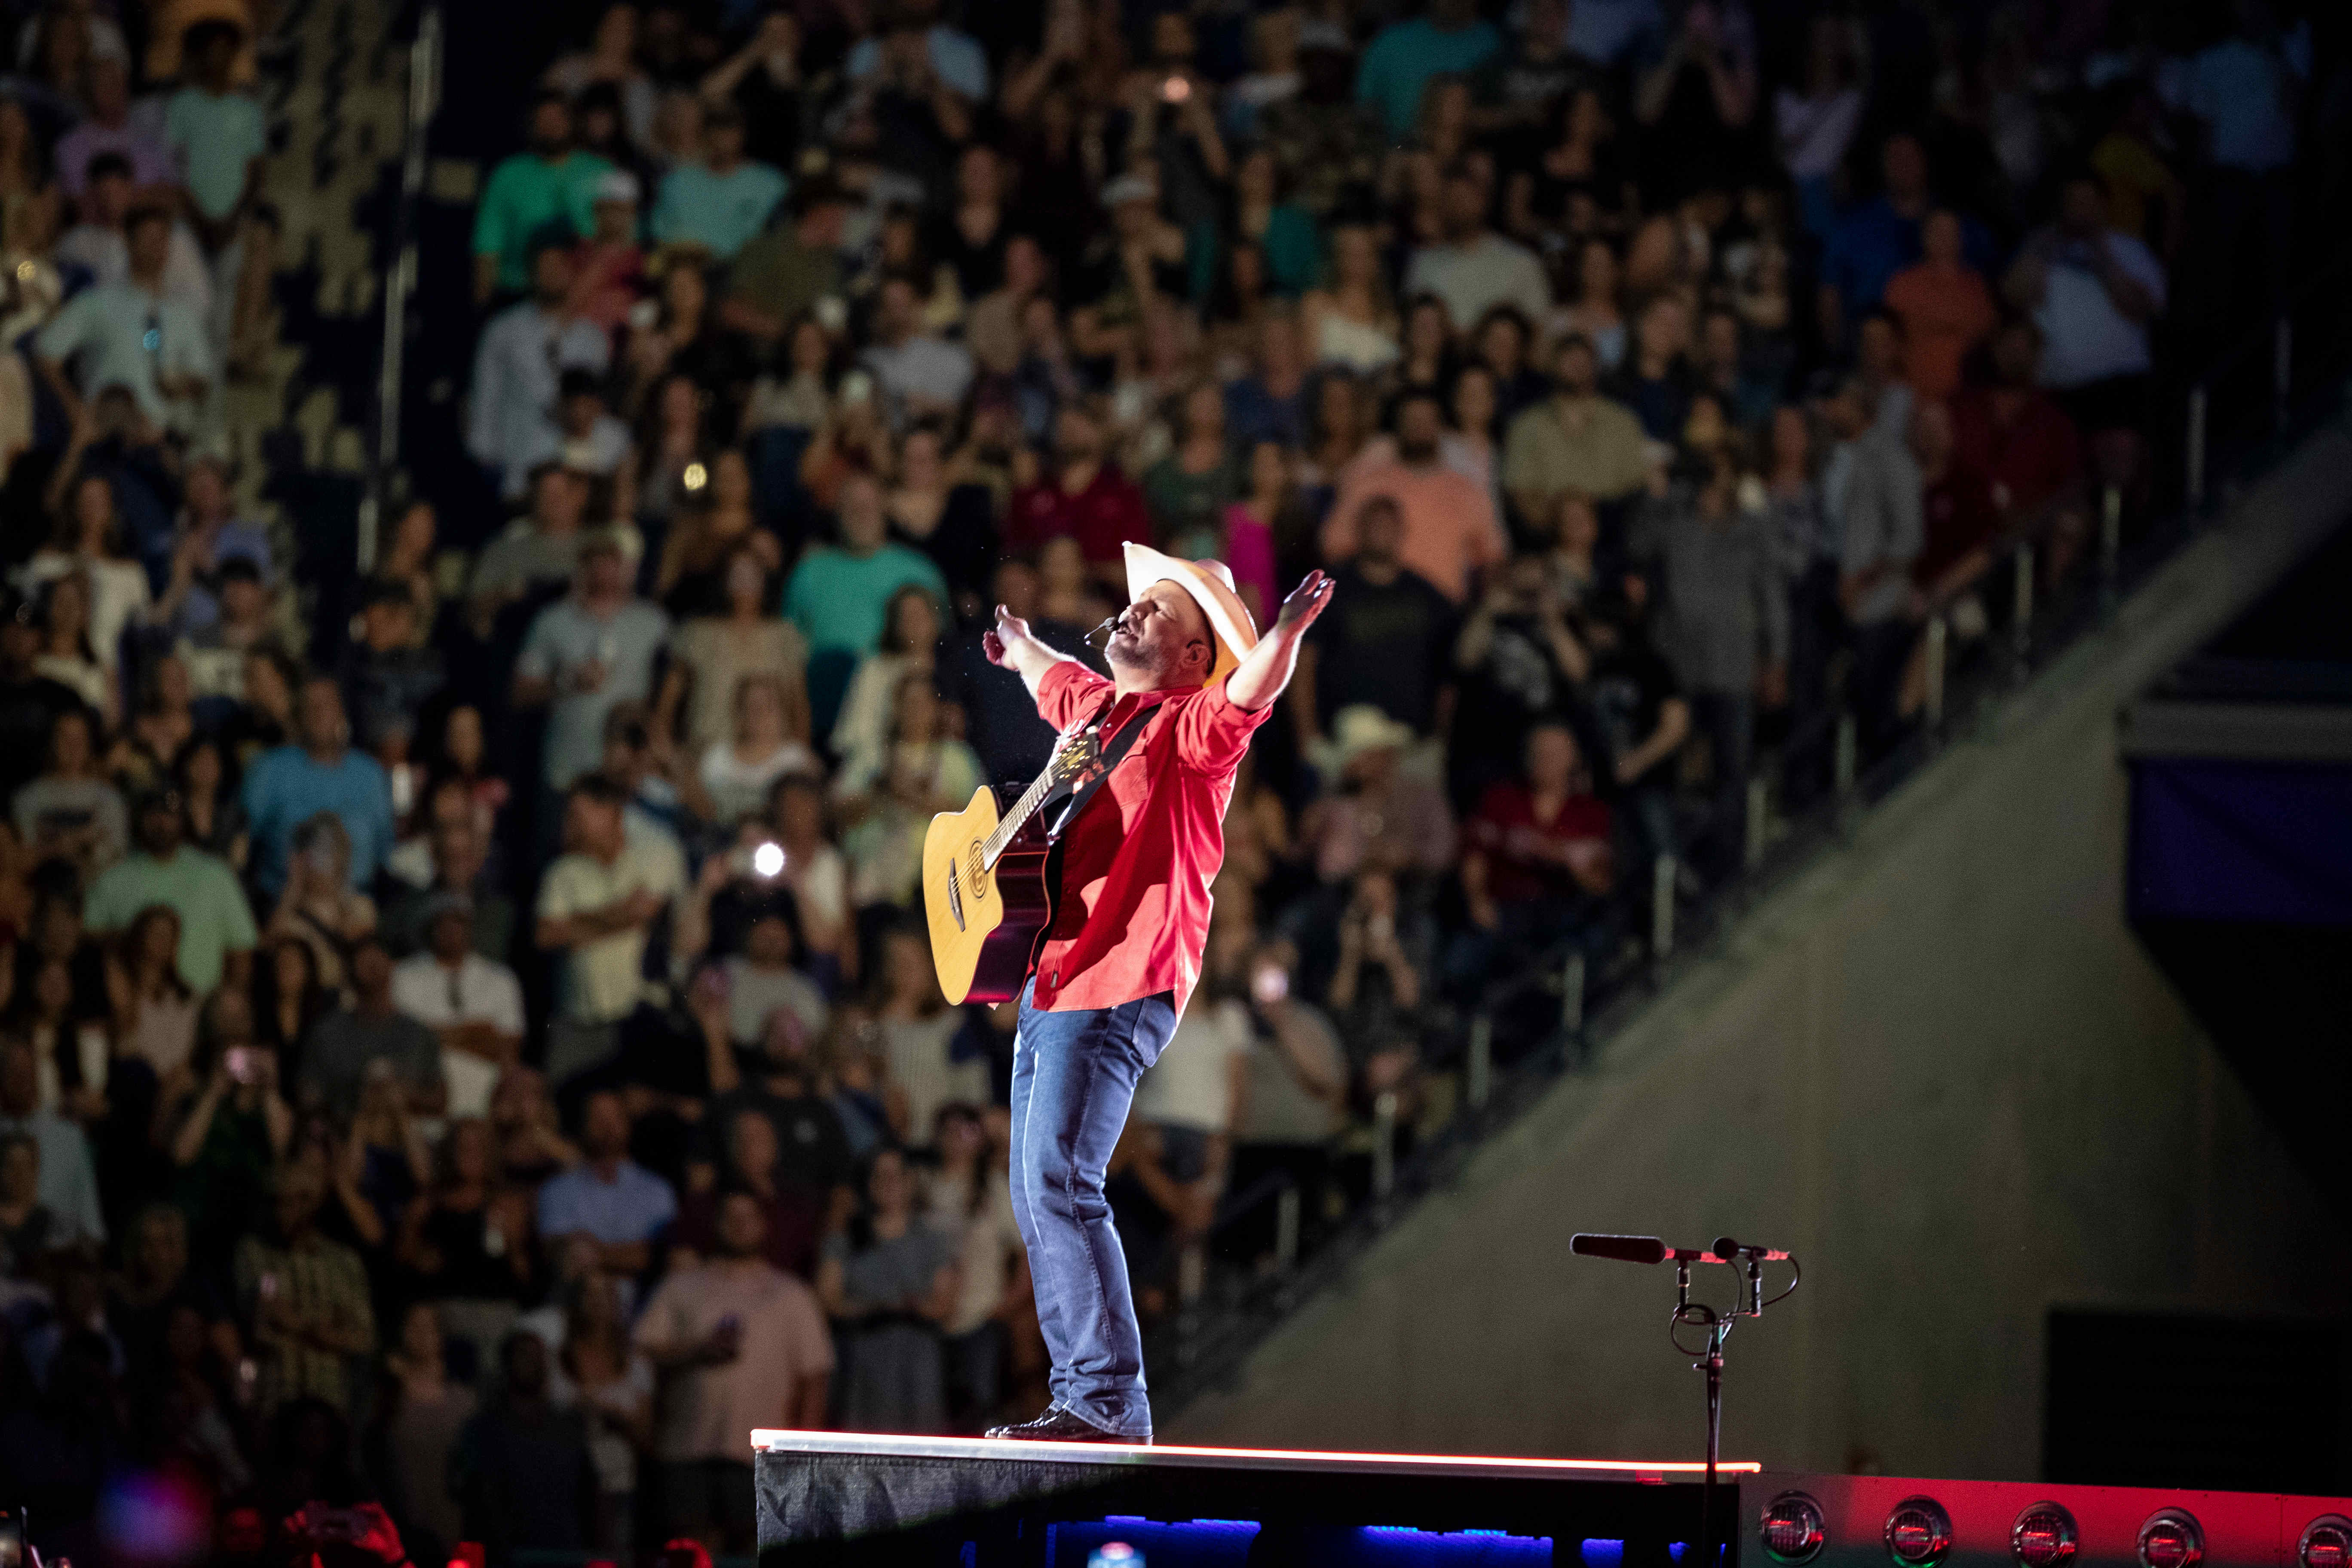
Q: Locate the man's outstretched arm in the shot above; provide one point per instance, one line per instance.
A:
(1259, 678)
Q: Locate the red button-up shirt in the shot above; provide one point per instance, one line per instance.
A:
(1133, 910)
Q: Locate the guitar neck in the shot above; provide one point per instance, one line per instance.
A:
(1022, 809)
(1033, 797)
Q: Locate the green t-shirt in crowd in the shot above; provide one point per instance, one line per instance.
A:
(525, 195)
(214, 920)
(837, 599)
(722, 212)
(218, 136)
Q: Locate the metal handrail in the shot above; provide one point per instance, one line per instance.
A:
(399, 279)
(2277, 335)
(2252, 339)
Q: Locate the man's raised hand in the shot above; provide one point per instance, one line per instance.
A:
(1306, 601)
(1005, 641)
(1259, 678)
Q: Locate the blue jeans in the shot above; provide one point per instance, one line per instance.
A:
(1073, 1076)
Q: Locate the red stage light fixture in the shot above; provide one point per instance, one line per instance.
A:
(1795, 1529)
(2043, 1537)
(2171, 1539)
(2326, 1543)
(1918, 1533)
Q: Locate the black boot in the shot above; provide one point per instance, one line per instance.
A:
(1060, 1425)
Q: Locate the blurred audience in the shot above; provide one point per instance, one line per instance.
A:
(462, 1036)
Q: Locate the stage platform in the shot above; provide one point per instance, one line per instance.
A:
(970, 1502)
(960, 1502)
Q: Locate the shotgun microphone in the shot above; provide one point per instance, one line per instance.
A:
(1623, 1248)
(1732, 1251)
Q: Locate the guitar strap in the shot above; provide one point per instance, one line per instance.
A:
(1097, 755)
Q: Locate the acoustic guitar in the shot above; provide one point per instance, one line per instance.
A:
(987, 876)
(988, 892)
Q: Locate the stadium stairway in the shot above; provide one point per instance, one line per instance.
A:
(1938, 1064)
(333, 85)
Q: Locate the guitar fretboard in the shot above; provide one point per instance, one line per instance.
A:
(1022, 809)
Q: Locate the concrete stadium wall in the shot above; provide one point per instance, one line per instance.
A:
(1936, 1064)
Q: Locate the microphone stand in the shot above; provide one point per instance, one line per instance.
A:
(1706, 1357)
(1709, 1361)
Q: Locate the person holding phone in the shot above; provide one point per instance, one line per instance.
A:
(2094, 292)
(738, 1344)
(587, 653)
(1376, 992)
(233, 1123)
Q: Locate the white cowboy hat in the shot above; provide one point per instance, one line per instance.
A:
(1210, 583)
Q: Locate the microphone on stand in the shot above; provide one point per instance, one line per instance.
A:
(1749, 1260)
(1623, 1248)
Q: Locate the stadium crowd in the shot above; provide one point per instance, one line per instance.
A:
(485, 1055)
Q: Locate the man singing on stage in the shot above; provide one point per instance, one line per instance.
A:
(1117, 966)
